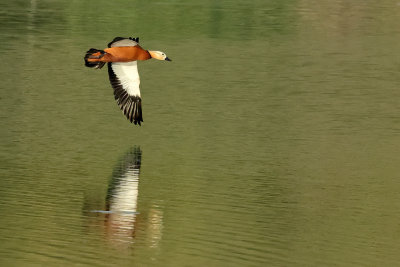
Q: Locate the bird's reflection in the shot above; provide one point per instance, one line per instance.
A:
(122, 197)
(119, 216)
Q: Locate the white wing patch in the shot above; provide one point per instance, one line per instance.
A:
(128, 75)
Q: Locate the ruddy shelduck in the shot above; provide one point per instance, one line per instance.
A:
(121, 56)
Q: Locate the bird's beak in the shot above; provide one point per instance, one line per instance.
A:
(167, 59)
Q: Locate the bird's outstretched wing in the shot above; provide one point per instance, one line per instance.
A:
(124, 79)
(122, 41)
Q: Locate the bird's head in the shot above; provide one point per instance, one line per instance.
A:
(159, 55)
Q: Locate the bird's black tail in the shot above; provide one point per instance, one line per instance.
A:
(94, 55)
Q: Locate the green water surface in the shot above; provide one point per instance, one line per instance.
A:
(271, 139)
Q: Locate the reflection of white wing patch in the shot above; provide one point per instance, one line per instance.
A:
(125, 193)
(124, 78)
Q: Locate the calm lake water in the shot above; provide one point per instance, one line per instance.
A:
(271, 139)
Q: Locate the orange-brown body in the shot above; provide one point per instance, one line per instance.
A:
(121, 54)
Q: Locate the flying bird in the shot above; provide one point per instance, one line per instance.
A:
(121, 56)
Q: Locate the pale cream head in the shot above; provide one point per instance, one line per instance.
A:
(159, 55)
